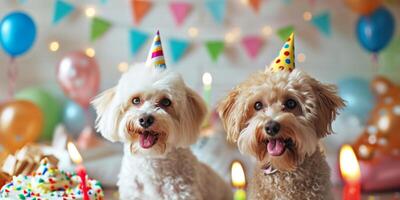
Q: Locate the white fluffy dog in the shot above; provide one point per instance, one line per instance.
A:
(157, 117)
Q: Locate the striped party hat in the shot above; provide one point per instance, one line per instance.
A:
(285, 60)
(156, 56)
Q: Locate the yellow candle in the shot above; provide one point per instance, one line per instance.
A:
(238, 180)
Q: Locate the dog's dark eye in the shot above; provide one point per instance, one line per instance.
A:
(290, 104)
(136, 101)
(258, 105)
(165, 102)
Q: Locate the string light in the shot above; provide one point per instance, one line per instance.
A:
(193, 32)
(301, 57)
(90, 12)
(307, 16)
(230, 37)
(267, 31)
(207, 78)
(54, 46)
(245, 2)
(123, 67)
(90, 52)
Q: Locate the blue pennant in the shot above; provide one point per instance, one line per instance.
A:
(322, 22)
(137, 39)
(61, 10)
(217, 9)
(178, 48)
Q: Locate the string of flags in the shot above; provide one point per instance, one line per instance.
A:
(180, 10)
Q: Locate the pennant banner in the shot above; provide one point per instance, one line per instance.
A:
(137, 39)
(140, 8)
(255, 4)
(61, 10)
(252, 45)
(285, 32)
(217, 9)
(215, 48)
(322, 22)
(178, 48)
(98, 28)
(180, 11)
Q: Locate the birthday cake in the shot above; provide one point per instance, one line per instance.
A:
(48, 182)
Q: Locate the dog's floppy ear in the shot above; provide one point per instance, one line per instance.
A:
(328, 104)
(226, 111)
(194, 114)
(107, 115)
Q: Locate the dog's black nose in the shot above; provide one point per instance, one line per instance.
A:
(272, 128)
(146, 121)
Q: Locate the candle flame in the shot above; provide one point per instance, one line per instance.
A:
(237, 175)
(349, 166)
(74, 153)
(207, 78)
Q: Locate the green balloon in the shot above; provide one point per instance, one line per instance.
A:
(389, 61)
(49, 105)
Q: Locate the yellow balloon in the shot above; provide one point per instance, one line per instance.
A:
(21, 122)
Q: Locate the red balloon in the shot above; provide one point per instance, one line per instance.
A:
(79, 77)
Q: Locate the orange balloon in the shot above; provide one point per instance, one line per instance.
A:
(21, 122)
(364, 7)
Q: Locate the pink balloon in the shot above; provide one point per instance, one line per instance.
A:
(79, 77)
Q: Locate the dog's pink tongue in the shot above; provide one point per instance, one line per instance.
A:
(147, 140)
(276, 147)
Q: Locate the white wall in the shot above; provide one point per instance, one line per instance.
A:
(328, 58)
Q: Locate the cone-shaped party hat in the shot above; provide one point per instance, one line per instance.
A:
(156, 55)
(285, 60)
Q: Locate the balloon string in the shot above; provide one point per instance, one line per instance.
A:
(12, 77)
(374, 60)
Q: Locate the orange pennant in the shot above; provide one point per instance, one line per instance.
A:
(255, 4)
(140, 9)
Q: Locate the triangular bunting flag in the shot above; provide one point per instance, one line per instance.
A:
(217, 9)
(178, 48)
(180, 10)
(137, 39)
(255, 4)
(98, 28)
(215, 48)
(61, 10)
(140, 8)
(322, 22)
(252, 45)
(285, 32)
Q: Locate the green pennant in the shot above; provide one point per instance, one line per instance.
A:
(98, 28)
(215, 48)
(285, 32)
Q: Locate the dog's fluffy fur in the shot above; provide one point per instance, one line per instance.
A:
(300, 172)
(161, 167)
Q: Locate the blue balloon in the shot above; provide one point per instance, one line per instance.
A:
(375, 31)
(358, 96)
(75, 118)
(17, 33)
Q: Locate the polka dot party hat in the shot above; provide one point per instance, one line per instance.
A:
(285, 60)
(156, 55)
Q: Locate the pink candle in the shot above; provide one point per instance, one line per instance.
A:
(80, 169)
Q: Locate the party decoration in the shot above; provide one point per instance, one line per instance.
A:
(156, 55)
(217, 9)
(180, 11)
(75, 118)
(285, 60)
(98, 28)
(364, 7)
(79, 77)
(215, 48)
(21, 122)
(255, 4)
(49, 106)
(61, 10)
(178, 48)
(322, 22)
(140, 8)
(378, 147)
(17, 33)
(252, 45)
(137, 40)
(374, 32)
(389, 60)
(358, 97)
(285, 32)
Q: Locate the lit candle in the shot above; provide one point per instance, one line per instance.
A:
(238, 180)
(350, 170)
(207, 81)
(80, 169)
